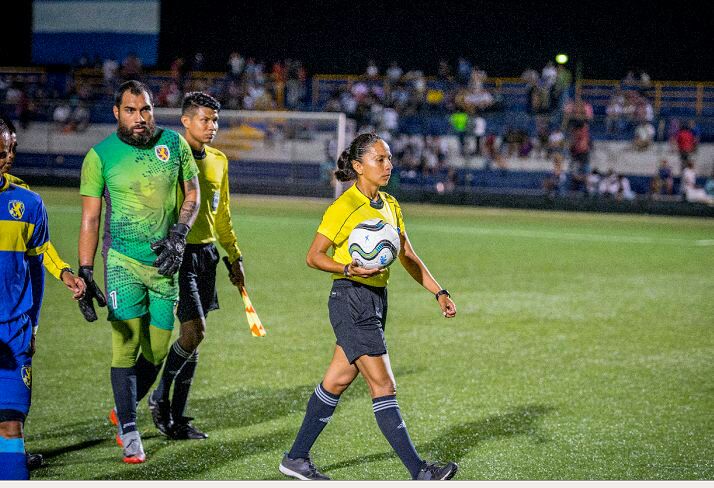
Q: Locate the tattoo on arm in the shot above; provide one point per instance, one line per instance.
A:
(189, 209)
(188, 212)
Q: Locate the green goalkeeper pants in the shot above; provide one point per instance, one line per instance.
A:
(129, 336)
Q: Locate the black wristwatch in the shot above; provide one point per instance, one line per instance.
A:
(346, 271)
(443, 291)
(63, 270)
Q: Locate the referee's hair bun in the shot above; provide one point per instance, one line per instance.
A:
(345, 171)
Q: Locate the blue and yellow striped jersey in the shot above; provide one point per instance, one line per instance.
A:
(23, 232)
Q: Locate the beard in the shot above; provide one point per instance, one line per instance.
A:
(126, 133)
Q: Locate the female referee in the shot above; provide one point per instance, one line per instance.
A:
(358, 312)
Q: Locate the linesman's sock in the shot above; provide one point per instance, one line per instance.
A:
(320, 408)
(389, 419)
(13, 461)
(182, 386)
(174, 361)
(124, 388)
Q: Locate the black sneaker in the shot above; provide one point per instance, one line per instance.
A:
(300, 468)
(433, 471)
(160, 414)
(34, 461)
(183, 429)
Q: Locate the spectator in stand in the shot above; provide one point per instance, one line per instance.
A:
(463, 71)
(695, 130)
(236, 63)
(554, 183)
(493, 152)
(609, 185)
(80, 117)
(624, 190)
(178, 72)
(577, 111)
(131, 67)
(459, 124)
(561, 89)
(531, 78)
(479, 131)
(389, 122)
(556, 141)
(61, 115)
(592, 183)
(690, 190)
(372, 71)
(663, 181)
(644, 136)
(478, 77)
(295, 84)
(614, 116)
(549, 74)
(709, 184)
(686, 144)
(443, 72)
(580, 148)
(110, 71)
(394, 73)
(197, 62)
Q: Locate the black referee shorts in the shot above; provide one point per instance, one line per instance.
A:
(197, 282)
(358, 314)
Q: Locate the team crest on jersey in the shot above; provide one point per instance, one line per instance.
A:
(162, 152)
(16, 209)
(27, 376)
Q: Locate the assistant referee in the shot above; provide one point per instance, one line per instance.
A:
(197, 275)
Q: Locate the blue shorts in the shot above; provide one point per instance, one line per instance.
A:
(15, 365)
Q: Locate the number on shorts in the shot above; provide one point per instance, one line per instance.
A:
(113, 297)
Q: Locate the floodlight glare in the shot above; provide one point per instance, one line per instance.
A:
(561, 58)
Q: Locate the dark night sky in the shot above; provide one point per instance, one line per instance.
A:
(672, 41)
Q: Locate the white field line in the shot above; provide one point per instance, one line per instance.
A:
(571, 236)
(493, 231)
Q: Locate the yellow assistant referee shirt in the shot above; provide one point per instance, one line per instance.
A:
(351, 208)
(214, 215)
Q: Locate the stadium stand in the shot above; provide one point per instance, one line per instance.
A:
(428, 120)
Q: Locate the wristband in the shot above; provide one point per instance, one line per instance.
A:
(346, 271)
(443, 291)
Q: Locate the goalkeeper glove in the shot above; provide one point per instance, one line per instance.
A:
(170, 250)
(86, 305)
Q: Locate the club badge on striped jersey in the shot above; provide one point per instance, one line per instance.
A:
(27, 376)
(162, 152)
(16, 209)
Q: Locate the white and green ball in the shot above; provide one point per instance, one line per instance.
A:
(374, 243)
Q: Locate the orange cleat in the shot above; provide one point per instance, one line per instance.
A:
(115, 421)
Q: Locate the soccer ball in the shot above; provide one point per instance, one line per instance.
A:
(374, 243)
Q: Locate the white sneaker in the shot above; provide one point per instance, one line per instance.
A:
(133, 449)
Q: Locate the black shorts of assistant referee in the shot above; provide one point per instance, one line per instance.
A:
(197, 282)
(358, 314)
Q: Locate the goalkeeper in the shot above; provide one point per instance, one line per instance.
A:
(138, 171)
(197, 276)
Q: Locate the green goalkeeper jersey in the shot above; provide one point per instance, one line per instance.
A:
(140, 186)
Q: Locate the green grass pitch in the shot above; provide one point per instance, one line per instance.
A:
(583, 348)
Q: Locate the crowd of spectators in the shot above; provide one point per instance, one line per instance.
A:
(558, 121)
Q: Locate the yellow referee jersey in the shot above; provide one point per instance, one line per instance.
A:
(351, 208)
(214, 216)
(52, 261)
